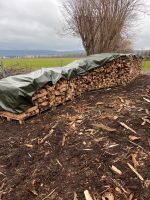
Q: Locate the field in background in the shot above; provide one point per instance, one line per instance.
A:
(146, 65)
(37, 63)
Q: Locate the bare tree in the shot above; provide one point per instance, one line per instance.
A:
(124, 46)
(101, 24)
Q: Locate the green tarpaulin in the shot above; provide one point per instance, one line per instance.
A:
(16, 91)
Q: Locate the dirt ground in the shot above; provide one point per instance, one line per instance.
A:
(99, 142)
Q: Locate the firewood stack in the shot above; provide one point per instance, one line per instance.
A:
(117, 72)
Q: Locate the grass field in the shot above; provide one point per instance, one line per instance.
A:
(38, 63)
(146, 65)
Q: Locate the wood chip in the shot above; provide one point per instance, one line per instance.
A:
(99, 103)
(87, 195)
(120, 186)
(104, 127)
(113, 145)
(49, 194)
(135, 171)
(33, 182)
(118, 190)
(64, 139)
(59, 163)
(72, 125)
(145, 120)
(2, 186)
(108, 196)
(87, 149)
(147, 111)
(135, 162)
(133, 138)
(146, 99)
(34, 192)
(116, 170)
(137, 145)
(75, 196)
(131, 197)
(28, 145)
(147, 184)
(127, 127)
(47, 136)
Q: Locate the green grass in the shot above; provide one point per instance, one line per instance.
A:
(36, 63)
(146, 65)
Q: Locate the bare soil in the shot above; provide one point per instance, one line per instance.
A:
(63, 152)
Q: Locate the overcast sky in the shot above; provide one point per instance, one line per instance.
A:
(36, 24)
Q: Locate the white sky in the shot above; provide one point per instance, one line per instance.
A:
(36, 24)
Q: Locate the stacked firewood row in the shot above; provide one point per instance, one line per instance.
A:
(118, 72)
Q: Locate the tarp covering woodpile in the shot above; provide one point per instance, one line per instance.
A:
(21, 92)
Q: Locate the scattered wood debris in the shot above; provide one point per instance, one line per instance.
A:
(28, 145)
(145, 120)
(87, 195)
(127, 127)
(135, 171)
(74, 160)
(59, 163)
(146, 99)
(104, 127)
(133, 138)
(108, 196)
(64, 139)
(75, 196)
(131, 196)
(33, 191)
(99, 103)
(47, 136)
(116, 170)
(135, 162)
(49, 194)
(120, 186)
(118, 190)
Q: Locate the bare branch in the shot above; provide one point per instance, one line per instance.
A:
(101, 24)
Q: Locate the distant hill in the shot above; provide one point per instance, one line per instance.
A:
(38, 53)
